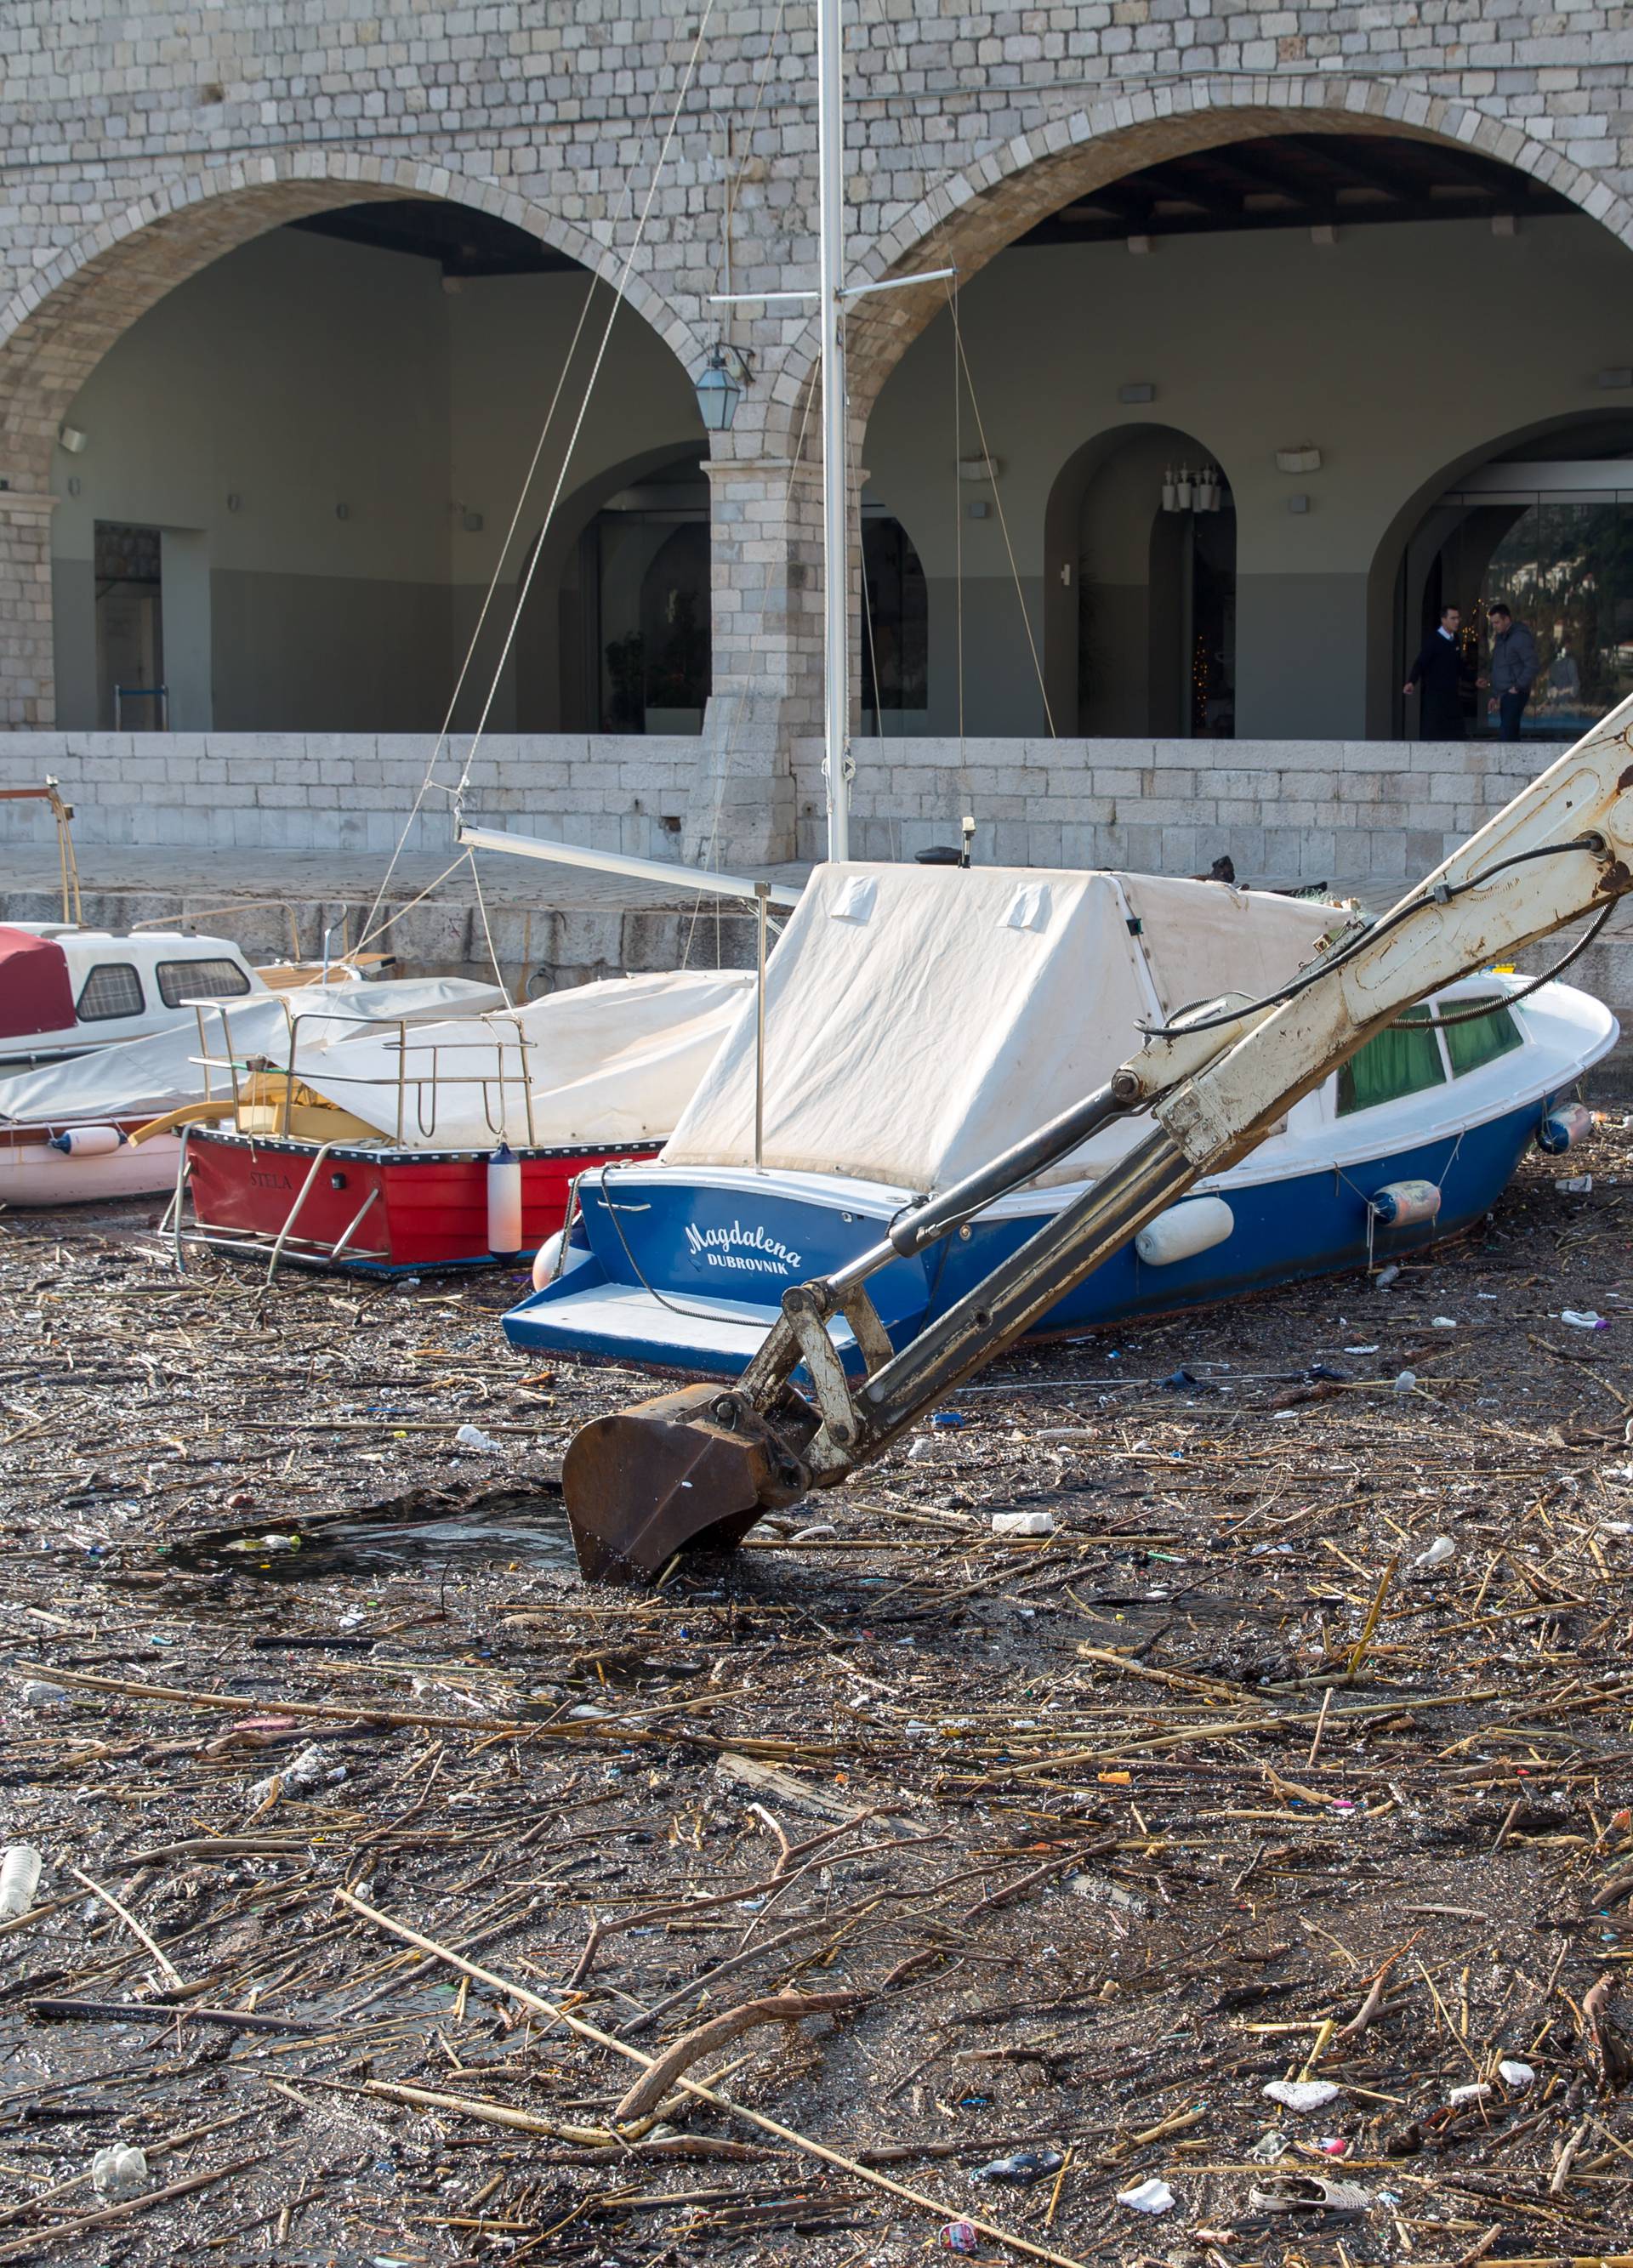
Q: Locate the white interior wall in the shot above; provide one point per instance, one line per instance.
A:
(300, 373)
(1399, 351)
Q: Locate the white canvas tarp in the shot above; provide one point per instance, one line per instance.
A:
(609, 1063)
(921, 1020)
(151, 1076)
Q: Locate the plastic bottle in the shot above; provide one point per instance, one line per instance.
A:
(20, 1878)
(504, 1204)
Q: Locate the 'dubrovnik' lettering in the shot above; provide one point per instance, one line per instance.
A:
(738, 1247)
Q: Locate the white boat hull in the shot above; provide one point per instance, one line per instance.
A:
(33, 1175)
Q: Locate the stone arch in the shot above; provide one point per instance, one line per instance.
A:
(969, 216)
(57, 328)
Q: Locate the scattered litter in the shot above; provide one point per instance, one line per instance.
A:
(1475, 2093)
(1066, 1433)
(1153, 2196)
(119, 2171)
(1020, 2166)
(1438, 1552)
(960, 2236)
(1302, 2094)
(307, 1773)
(1114, 1894)
(946, 1417)
(1361, 1350)
(1574, 1185)
(1516, 2074)
(473, 1437)
(20, 1878)
(1584, 1319)
(1269, 2147)
(274, 1543)
(1405, 1381)
(1309, 2193)
(815, 1533)
(1444, 1323)
(1023, 1524)
(1386, 1276)
(46, 1700)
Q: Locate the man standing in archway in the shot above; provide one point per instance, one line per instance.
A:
(1439, 671)
(1513, 669)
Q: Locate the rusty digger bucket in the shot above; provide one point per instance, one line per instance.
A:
(693, 1469)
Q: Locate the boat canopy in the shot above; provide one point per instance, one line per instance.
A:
(610, 1063)
(921, 1020)
(36, 992)
(147, 1077)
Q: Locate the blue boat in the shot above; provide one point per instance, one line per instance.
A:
(918, 1021)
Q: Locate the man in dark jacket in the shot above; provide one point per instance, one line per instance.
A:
(1438, 670)
(1513, 669)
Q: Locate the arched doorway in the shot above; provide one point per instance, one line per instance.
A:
(895, 627)
(1139, 630)
(1545, 524)
(311, 445)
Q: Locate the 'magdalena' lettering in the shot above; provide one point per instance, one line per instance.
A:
(738, 1247)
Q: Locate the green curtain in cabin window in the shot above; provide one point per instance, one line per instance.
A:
(1400, 1061)
(1470, 1045)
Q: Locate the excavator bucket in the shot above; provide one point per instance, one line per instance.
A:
(693, 1468)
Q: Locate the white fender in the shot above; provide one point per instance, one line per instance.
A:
(1184, 1230)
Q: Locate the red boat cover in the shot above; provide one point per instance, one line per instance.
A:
(35, 994)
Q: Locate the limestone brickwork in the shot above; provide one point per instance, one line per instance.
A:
(140, 142)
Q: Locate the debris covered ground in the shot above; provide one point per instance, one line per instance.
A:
(1257, 1837)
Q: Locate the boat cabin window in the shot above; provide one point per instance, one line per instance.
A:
(112, 989)
(1483, 1041)
(1402, 1060)
(200, 980)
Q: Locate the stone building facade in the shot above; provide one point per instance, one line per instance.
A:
(665, 152)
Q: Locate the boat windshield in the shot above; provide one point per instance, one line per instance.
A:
(1400, 1061)
(1406, 1059)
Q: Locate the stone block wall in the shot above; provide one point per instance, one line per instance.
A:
(346, 792)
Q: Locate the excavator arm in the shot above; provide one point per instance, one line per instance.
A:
(700, 1465)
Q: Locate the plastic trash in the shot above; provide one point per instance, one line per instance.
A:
(472, 1437)
(119, 2171)
(1066, 1433)
(1584, 1319)
(1438, 1552)
(960, 2236)
(20, 1878)
(308, 1772)
(1023, 1524)
(946, 1417)
(1574, 1185)
(1386, 1276)
(48, 1700)
(920, 1447)
(1476, 2093)
(1444, 1323)
(266, 1543)
(1361, 1350)
(1302, 2094)
(1516, 2074)
(1020, 2166)
(1309, 2193)
(1269, 2147)
(1154, 2196)
(1406, 1382)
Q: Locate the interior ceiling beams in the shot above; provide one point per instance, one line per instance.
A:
(1297, 181)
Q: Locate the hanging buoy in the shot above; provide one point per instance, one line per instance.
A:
(504, 1204)
(88, 1141)
(1403, 1204)
(1184, 1231)
(1561, 1129)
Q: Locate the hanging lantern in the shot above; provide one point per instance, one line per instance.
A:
(1208, 489)
(1170, 495)
(1184, 491)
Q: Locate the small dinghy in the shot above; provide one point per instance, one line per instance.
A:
(920, 1021)
(65, 1129)
(453, 1145)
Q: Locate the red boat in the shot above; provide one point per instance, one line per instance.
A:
(381, 1211)
(447, 1144)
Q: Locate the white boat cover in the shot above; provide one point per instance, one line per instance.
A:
(921, 1020)
(609, 1063)
(147, 1077)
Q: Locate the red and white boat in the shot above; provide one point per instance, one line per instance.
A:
(449, 1145)
(65, 1128)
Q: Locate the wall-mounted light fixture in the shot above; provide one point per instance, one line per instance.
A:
(70, 437)
(1138, 244)
(720, 387)
(981, 467)
(1304, 458)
